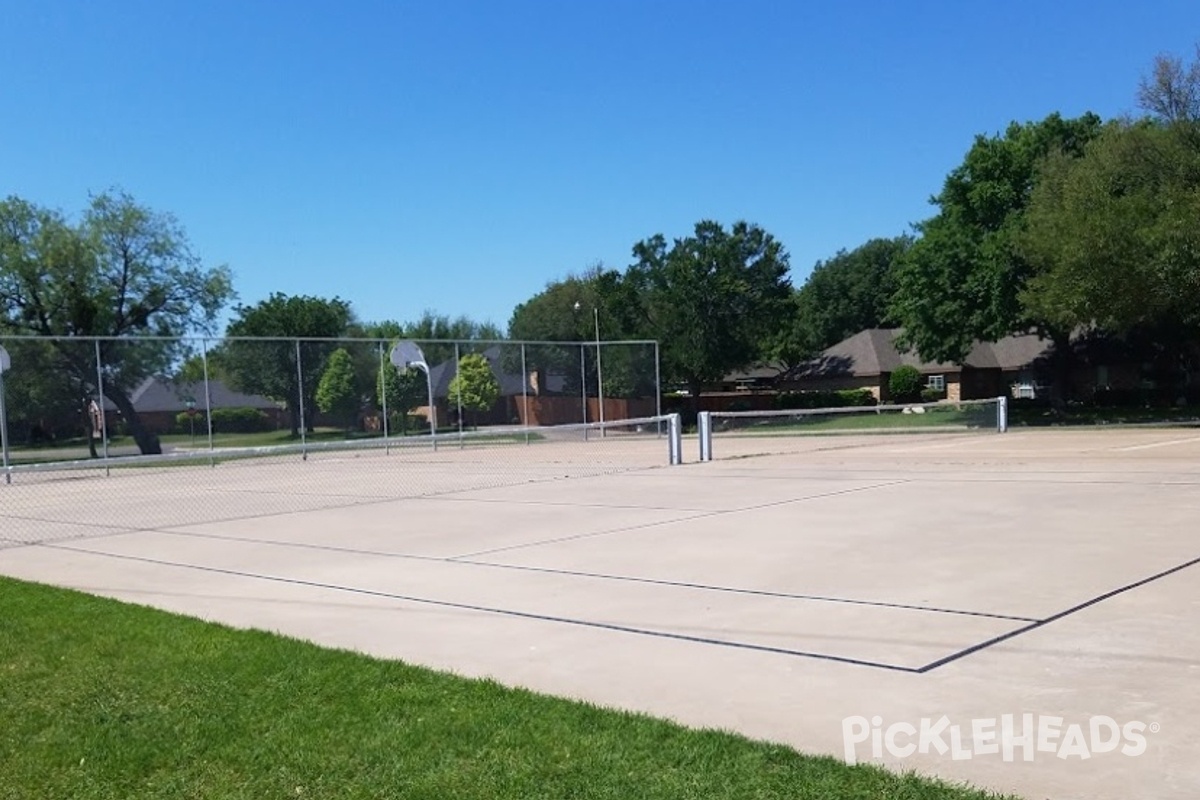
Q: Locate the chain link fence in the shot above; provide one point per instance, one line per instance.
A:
(68, 399)
(131, 434)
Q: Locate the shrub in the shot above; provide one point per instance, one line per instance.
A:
(932, 395)
(844, 398)
(905, 384)
(239, 420)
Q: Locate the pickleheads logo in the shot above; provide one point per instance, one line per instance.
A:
(1011, 737)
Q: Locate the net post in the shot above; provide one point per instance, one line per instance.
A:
(704, 428)
(675, 439)
(1002, 414)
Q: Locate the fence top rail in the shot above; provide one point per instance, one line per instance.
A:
(804, 412)
(371, 340)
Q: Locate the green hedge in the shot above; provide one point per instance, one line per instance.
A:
(228, 420)
(845, 398)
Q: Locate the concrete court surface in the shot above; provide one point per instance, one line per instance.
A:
(824, 582)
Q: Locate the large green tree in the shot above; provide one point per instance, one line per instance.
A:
(578, 308)
(123, 271)
(1115, 237)
(961, 281)
(713, 299)
(282, 329)
(843, 295)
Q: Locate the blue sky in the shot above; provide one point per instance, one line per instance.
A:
(456, 156)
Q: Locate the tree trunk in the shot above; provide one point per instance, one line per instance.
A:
(147, 442)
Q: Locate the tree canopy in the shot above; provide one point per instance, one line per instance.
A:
(337, 393)
(713, 299)
(123, 270)
(843, 295)
(474, 385)
(269, 366)
(961, 280)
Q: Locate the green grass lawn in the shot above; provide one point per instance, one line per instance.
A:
(864, 421)
(105, 700)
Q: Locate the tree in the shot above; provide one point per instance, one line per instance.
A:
(337, 394)
(124, 270)
(849, 292)
(712, 299)
(961, 281)
(571, 310)
(1171, 92)
(1115, 235)
(904, 384)
(404, 391)
(269, 366)
(433, 326)
(474, 385)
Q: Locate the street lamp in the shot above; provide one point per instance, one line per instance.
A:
(599, 370)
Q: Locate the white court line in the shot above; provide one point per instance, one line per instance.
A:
(1158, 444)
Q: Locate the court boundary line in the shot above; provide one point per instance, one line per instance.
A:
(705, 515)
(600, 575)
(1041, 623)
(506, 612)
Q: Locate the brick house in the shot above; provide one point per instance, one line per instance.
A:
(158, 402)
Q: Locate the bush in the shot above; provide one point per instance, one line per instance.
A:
(238, 420)
(932, 395)
(845, 398)
(905, 384)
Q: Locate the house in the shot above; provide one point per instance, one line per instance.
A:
(867, 359)
(546, 396)
(158, 402)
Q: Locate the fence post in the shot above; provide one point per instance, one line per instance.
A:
(675, 439)
(1002, 415)
(300, 404)
(583, 389)
(103, 411)
(458, 395)
(212, 461)
(704, 428)
(381, 385)
(4, 416)
(657, 387)
(524, 394)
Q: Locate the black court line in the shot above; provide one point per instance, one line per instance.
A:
(344, 501)
(1004, 637)
(705, 515)
(598, 575)
(506, 612)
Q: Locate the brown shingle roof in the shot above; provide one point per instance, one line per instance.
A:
(874, 352)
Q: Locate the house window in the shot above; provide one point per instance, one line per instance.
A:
(936, 382)
(1102, 377)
